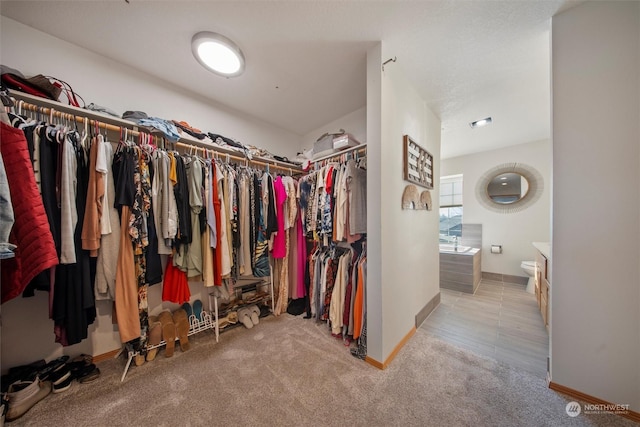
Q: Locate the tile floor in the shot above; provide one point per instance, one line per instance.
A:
(500, 320)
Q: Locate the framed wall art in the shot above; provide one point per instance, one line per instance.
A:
(418, 164)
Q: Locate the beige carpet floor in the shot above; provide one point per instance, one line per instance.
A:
(289, 371)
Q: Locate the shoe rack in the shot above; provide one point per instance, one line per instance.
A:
(243, 287)
(208, 320)
(249, 290)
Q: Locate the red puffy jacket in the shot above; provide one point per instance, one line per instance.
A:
(36, 250)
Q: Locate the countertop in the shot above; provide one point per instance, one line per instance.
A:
(471, 251)
(544, 248)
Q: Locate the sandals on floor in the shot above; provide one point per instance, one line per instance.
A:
(255, 314)
(244, 316)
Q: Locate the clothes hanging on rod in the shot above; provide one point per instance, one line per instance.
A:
(125, 208)
(63, 167)
(217, 218)
(332, 205)
(333, 201)
(35, 251)
(40, 108)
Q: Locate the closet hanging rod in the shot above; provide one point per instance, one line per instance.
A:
(116, 124)
(359, 149)
(291, 169)
(35, 103)
(47, 111)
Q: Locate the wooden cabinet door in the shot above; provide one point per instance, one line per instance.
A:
(540, 275)
(544, 302)
(538, 282)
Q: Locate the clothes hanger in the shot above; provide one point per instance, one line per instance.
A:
(128, 134)
(85, 130)
(26, 114)
(122, 142)
(4, 117)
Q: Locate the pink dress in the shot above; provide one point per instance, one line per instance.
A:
(279, 242)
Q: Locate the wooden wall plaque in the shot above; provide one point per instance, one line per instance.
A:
(418, 164)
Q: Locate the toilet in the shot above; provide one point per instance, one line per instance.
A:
(529, 267)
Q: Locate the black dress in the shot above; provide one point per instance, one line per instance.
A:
(153, 273)
(74, 300)
(49, 151)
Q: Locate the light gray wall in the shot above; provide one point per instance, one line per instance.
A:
(402, 246)
(409, 241)
(354, 123)
(374, 204)
(514, 231)
(595, 290)
(105, 82)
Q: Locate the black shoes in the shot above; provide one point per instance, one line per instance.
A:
(84, 372)
(54, 366)
(60, 378)
(32, 383)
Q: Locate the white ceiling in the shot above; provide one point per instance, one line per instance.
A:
(306, 59)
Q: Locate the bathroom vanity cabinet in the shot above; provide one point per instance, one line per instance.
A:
(460, 270)
(542, 279)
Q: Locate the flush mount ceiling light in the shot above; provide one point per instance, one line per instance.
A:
(480, 123)
(218, 54)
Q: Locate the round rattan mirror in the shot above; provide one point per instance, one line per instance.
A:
(509, 187)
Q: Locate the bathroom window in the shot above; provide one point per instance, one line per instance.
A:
(450, 207)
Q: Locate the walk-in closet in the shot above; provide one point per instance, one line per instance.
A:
(250, 234)
(234, 222)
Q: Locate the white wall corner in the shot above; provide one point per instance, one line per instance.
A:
(410, 255)
(374, 205)
(595, 290)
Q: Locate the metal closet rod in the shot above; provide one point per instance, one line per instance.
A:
(79, 115)
(206, 150)
(358, 149)
(52, 112)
